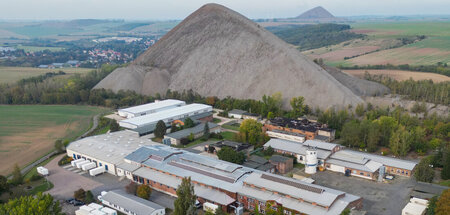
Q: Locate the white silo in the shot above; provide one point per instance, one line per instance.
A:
(311, 161)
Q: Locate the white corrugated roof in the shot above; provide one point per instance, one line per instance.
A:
(152, 106)
(387, 161)
(320, 144)
(294, 147)
(166, 114)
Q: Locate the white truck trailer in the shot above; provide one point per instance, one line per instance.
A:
(97, 171)
(74, 162)
(81, 164)
(42, 170)
(88, 166)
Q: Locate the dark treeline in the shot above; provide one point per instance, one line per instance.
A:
(314, 36)
(439, 68)
(424, 90)
(40, 78)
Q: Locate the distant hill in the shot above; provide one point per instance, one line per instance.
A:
(316, 13)
(218, 52)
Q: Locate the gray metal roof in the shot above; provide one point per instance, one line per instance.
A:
(194, 130)
(279, 158)
(370, 166)
(385, 160)
(320, 144)
(294, 147)
(153, 106)
(131, 202)
(174, 113)
(112, 147)
(237, 111)
(127, 167)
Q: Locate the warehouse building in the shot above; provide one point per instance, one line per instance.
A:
(303, 126)
(176, 138)
(367, 165)
(231, 186)
(324, 150)
(147, 123)
(108, 150)
(286, 135)
(130, 204)
(150, 108)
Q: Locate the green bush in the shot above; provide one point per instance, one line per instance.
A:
(35, 177)
(65, 160)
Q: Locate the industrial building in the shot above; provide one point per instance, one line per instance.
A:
(415, 206)
(282, 164)
(232, 186)
(368, 165)
(286, 135)
(130, 204)
(259, 163)
(236, 146)
(150, 108)
(147, 123)
(303, 126)
(175, 138)
(323, 149)
(108, 150)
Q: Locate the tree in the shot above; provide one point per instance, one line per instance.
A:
(89, 197)
(186, 197)
(188, 123)
(144, 191)
(80, 194)
(373, 137)
(423, 171)
(346, 212)
(417, 139)
(39, 204)
(3, 184)
(59, 146)
(270, 115)
(114, 126)
(350, 135)
(359, 110)
(432, 206)
(206, 131)
(443, 203)
(399, 142)
(160, 129)
(131, 188)
(174, 128)
(386, 124)
(251, 132)
(297, 106)
(17, 177)
(256, 210)
(219, 211)
(228, 154)
(269, 151)
(445, 174)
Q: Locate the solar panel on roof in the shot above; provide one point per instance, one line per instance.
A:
(292, 183)
(203, 172)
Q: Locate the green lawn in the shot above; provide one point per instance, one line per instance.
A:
(233, 126)
(228, 135)
(445, 183)
(216, 120)
(27, 132)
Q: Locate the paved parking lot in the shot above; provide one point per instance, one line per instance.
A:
(379, 198)
(67, 179)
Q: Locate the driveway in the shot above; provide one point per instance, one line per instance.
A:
(66, 182)
(378, 198)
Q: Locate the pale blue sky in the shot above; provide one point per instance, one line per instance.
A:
(179, 9)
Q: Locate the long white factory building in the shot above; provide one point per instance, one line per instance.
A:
(150, 108)
(147, 123)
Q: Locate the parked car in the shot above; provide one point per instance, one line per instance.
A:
(389, 177)
(78, 203)
(198, 205)
(70, 201)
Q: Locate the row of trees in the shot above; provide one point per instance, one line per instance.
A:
(423, 90)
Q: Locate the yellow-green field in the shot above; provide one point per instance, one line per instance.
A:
(377, 48)
(14, 74)
(27, 132)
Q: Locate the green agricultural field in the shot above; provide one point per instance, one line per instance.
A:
(14, 74)
(28, 132)
(38, 48)
(431, 50)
